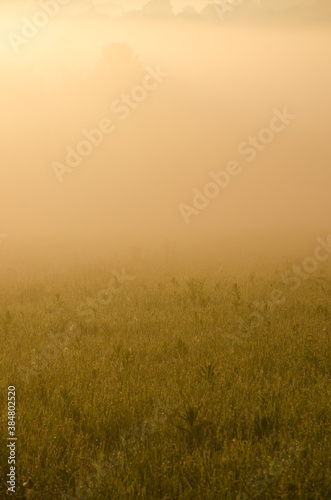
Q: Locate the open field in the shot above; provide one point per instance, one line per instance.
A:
(168, 387)
(165, 250)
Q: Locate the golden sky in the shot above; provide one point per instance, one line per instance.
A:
(175, 101)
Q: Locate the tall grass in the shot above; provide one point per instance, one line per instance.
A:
(105, 391)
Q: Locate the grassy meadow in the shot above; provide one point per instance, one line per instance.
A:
(173, 387)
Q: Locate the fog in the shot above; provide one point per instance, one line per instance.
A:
(212, 87)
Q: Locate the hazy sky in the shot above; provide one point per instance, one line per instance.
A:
(215, 89)
(124, 5)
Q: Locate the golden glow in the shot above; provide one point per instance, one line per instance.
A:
(223, 82)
